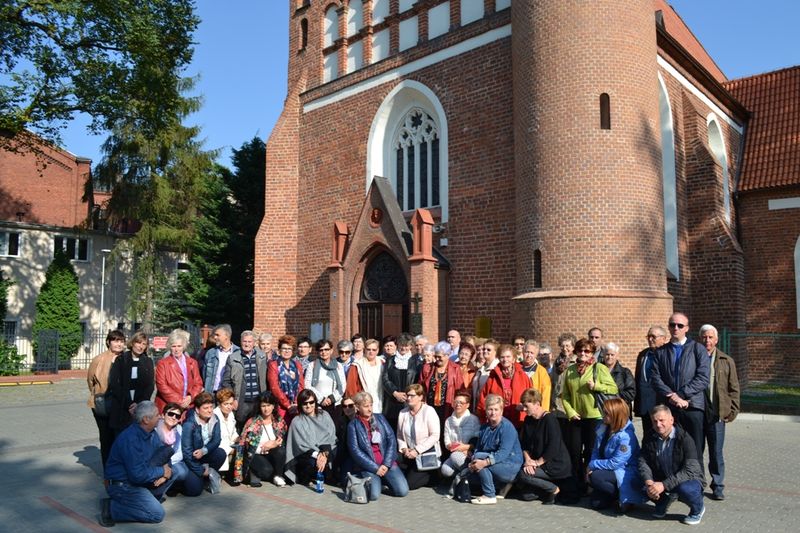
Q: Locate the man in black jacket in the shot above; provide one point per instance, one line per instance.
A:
(680, 379)
(670, 469)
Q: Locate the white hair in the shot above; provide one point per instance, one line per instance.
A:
(612, 347)
(708, 327)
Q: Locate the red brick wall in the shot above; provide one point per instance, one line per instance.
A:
(46, 185)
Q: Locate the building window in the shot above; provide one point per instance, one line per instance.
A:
(416, 169)
(9, 243)
(330, 67)
(409, 33)
(499, 5)
(75, 249)
(405, 5)
(717, 144)
(10, 331)
(537, 269)
(605, 112)
(355, 56)
(380, 45)
(668, 182)
(438, 20)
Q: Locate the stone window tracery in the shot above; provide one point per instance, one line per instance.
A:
(416, 163)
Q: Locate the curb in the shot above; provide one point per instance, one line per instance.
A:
(762, 417)
(23, 383)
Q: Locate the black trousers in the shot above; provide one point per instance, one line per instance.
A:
(267, 466)
(580, 441)
(107, 436)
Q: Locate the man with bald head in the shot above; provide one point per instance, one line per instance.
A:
(680, 379)
(645, 398)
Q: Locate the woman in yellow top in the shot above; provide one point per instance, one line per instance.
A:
(97, 379)
(584, 378)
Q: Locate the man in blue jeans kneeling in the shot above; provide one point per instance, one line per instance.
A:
(131, 478)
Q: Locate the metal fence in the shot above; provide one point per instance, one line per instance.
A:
(41, 354)
(770, 357)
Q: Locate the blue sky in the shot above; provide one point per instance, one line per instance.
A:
(241, 57)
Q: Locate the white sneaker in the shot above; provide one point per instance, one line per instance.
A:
(279, 481)
(483, 500)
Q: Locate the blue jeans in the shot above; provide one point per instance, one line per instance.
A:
(691, 493)
(394, 479)
(715, 435)
(501, 472)
(604, 482)
(134, 504)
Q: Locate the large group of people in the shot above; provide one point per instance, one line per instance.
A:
(470, 415)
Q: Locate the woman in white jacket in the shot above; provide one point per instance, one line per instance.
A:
(417, 433)
(459, 429)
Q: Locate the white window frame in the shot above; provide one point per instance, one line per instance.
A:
(5, 239)
(718, 146)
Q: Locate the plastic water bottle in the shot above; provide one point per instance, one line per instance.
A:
(319, 483)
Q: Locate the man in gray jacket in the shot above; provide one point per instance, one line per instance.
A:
(217, 357)
(246, 375)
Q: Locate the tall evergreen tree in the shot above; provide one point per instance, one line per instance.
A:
(57, 307)
(157, 181)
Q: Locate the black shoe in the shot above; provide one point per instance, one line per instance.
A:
(255, 483)
(528, 496)
(718, 495)
(549, 498)
(105, 513)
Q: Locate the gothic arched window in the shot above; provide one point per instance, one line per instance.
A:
(416, 161)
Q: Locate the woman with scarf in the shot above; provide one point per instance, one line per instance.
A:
(285, 376)
(169, 431)
(262, 452)
(325, 377)
(578, 397)
(201, 439)
(372, 446)
(311, 442)
(401, 370)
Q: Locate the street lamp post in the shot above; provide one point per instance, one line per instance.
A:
(105, 252)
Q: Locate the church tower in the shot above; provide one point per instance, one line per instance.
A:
(589, 209)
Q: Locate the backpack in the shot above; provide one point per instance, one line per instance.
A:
(460, 487)
(355, 490)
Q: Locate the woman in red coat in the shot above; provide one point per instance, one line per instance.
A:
(177, 376)
(508, 380)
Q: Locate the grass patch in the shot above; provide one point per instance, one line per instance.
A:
(768, 398)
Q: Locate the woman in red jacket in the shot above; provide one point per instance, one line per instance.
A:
(508, 380)
(177, 376)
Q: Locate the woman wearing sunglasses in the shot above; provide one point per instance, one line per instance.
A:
(583, 380)
(311, 443)
(169, 431)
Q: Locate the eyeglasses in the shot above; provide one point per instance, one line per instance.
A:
(585, 351)
(286, 349)
(519, 344)
(325, 349)
(310, 402)
(459, 402)
(344, 352)
(545, 353)
(348, 405)
(676, 325)
(173, 415)
(411, 395)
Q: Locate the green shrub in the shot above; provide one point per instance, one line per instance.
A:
(57, 307)
(10, 360)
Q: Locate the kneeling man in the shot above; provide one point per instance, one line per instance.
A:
(669, 467)
(131, 477)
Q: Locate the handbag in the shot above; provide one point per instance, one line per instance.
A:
(600, 397)
(102, 404)
(355, 491)
(428, 460)
(459, 488)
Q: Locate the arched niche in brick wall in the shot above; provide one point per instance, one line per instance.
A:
(669, 181)
(381, 152)
(797, 279)
(716, 142)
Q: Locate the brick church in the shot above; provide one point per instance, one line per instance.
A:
(532, 167)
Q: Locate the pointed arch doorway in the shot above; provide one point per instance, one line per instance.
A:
(383, 299)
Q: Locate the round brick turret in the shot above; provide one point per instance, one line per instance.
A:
(589, 196)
